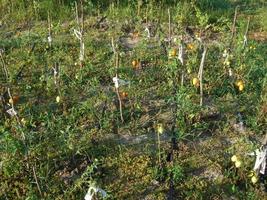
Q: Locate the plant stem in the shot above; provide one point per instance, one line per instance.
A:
(159, 153)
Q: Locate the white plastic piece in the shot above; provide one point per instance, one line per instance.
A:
(181, 54)
(260, 163)
(82, 52)
(116, 82)
(148, 32)
(78, 34)
(230, 72)
(119, 82)
(92, 191)
(225, 53)
(245, 42)
(56, 74)
(49, 39)
(11, 112)
(55, 70)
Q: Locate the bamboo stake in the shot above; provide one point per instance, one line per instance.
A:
(246, 33)
(264, 141)
(9, 92)
(7, 78)
(233, 28)
(36, 181)
(181, 59)
(200, 74)
(159, 147)
(138, 8)
(169, 14)
(49, 30)
(117, 88)
(80, 34)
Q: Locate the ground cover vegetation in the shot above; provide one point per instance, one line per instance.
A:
(133, 99)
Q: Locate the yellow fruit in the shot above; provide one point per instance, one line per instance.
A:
(160, 128)
(172, 53)
(123, 95)
(239, 82)
(189, 71)
(241, 87)
(14, 99)
(195, 82)
(190, 46)
(134, 63)
(58, 99)
(254, 179)
(23, 121)
(10, 101)
(234, 158)
(251, 173)
(136, 34)
(238, 163)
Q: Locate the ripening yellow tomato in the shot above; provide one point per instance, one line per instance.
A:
(134, 63)
(14, 99)
(241, 87)
(190, 46)
(254, 179)
(136, 34)
(195, 82)
(123, 95)
(58, 99)
(160, 128)
(234, 158)
(238, 163)
(172, 53)
(23, 121)
(239, 82)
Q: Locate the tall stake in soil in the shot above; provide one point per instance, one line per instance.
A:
(169, 14)
(233, 28)
(246, 33)
(80, 33)
(117, 88)
(49, 30)
(200, 74)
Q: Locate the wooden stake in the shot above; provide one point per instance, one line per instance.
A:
(169, 14)
(81, 30)
(9, 92)
(233, 28)
(49, 29)
(246, 33)
(116, 88)
(200, 74)
(36, 181)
